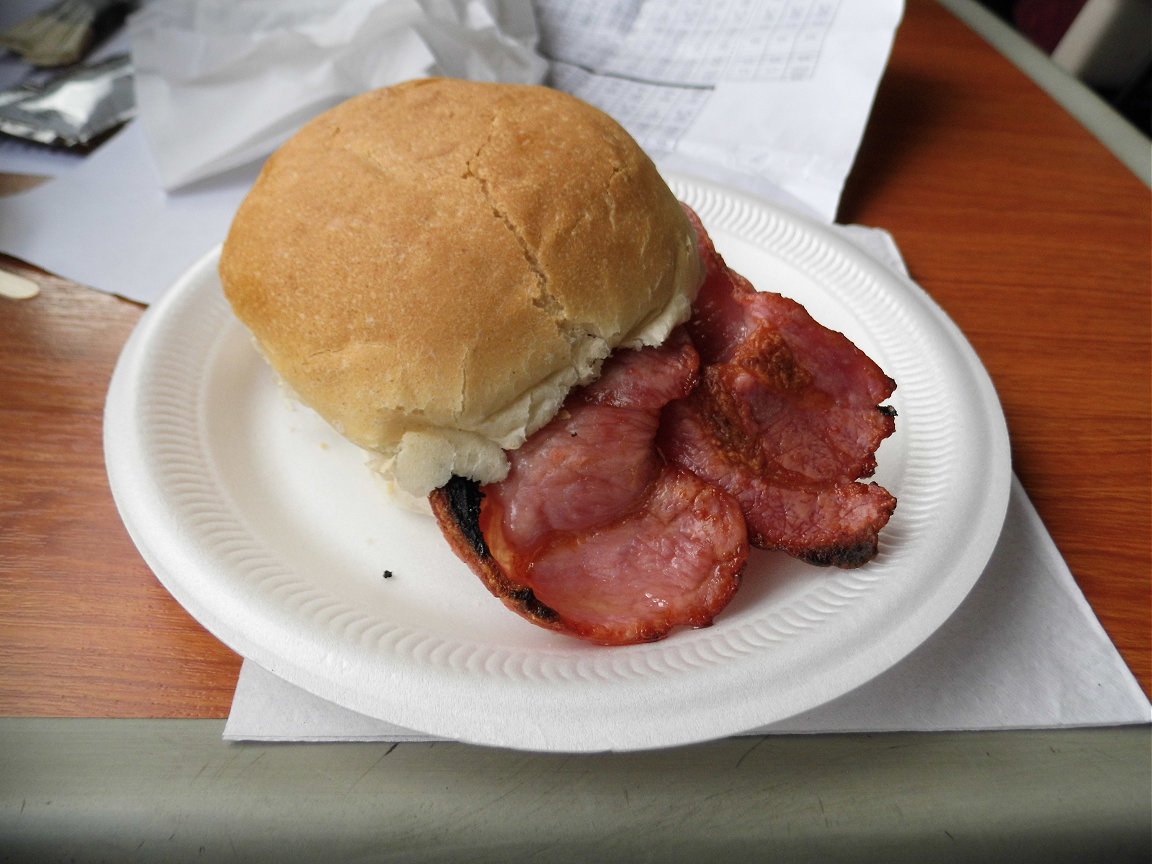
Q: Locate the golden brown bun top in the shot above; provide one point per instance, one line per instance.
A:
(445, 259)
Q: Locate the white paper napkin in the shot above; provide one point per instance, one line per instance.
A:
(1024, 650)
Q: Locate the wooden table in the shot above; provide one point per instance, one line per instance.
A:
(1027, 231)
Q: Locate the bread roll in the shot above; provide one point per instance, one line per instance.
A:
(433, 266)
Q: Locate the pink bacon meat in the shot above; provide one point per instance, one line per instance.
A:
(787, 418)
(631, 512)
(619, 544)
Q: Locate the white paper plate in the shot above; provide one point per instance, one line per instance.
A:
(271, 531)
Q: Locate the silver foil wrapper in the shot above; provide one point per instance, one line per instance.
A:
(74, 110)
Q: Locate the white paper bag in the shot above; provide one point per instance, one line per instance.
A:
(221, 83)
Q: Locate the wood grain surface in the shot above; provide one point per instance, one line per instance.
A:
(85, 628)
(1013, 217)
(1036, 241)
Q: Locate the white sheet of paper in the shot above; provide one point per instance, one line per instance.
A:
(110, 225)
(770, 97)
(1024, 651)
(778, 90)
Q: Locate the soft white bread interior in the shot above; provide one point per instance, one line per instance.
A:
(433, 266)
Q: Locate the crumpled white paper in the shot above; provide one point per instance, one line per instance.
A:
(220, 84)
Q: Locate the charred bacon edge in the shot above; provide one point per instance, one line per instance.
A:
(456, 506)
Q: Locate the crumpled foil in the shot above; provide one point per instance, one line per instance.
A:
(74, 110)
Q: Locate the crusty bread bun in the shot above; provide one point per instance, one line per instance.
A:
(433, 266)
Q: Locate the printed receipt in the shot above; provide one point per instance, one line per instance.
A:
(768, 95)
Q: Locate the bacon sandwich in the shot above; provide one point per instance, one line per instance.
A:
(492, 288)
